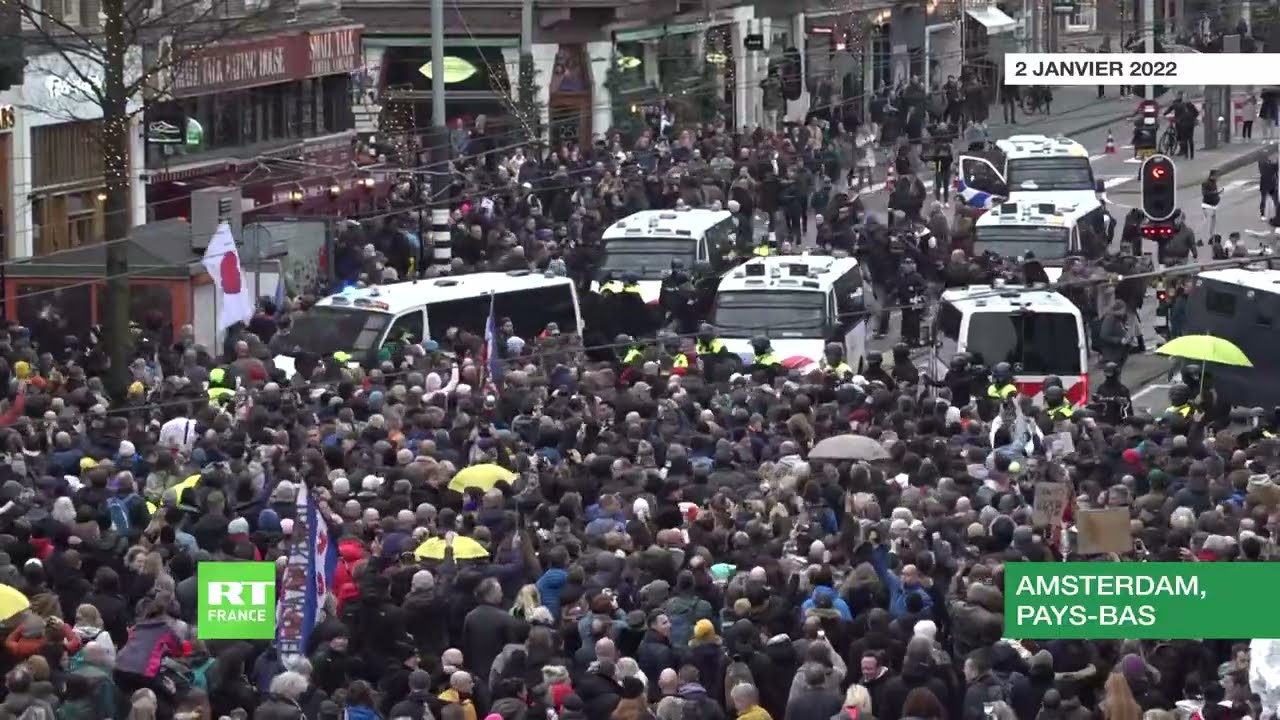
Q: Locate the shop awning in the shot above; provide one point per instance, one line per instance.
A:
(992, 19)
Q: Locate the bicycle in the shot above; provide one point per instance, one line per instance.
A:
(1168, 144)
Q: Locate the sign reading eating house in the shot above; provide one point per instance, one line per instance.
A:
(268, 60)
(233, 66)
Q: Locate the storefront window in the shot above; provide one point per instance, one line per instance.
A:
(285, 111)
(65, 310)
(628, 66)
(145, 299)
(678, 57)
(470, 68)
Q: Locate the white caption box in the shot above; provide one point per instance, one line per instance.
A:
(1061, 69)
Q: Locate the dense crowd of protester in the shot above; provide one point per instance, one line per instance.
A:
(660, 544)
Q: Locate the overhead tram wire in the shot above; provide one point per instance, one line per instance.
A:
(569, 117)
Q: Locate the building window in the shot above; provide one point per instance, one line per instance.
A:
(82, 218)
(275, 113)
(1083, 17)
(65, 221)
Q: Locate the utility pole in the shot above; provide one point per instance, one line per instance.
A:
(526, 92)
(1149, 38)
(441, 146)
(1036, 27)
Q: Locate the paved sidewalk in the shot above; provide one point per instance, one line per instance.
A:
(1075, 110)
(1225, 159)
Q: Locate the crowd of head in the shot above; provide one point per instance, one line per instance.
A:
(637, 545)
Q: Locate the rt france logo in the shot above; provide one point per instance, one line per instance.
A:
(237, 601)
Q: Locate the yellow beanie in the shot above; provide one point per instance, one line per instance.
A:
(703, 629)
(22, 369)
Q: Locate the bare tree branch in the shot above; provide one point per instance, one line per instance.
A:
(188, 28)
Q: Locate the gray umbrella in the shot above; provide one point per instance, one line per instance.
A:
(849, 447)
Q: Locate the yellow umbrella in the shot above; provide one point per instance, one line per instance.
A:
(464, 548)
(12, 602)
(1205, 348)
(483, 477)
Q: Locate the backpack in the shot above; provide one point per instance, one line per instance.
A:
(1002, 691)
(118, 508)
(200, 674)
(683, 613)
(691, 710)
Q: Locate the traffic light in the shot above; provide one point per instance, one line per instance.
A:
(1159, 188)
(1158, 233)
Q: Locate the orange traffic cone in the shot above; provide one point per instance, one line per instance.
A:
(1111, 143)
(890, 178)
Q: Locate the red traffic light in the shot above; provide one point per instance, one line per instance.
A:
(1158, 172)
(1157, 232)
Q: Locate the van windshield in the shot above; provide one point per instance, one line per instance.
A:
(778, 314)
(648, 257)
(1046, 242)
(1050, 173)
(326, 329)
(1042, 343)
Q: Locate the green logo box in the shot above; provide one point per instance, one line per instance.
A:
(1139, 601)
(237, 601)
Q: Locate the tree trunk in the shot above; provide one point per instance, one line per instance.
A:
(115, 168)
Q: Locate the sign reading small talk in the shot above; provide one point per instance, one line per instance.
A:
(455, 70)
(8, 117)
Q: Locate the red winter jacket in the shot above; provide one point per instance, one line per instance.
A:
(350, 552)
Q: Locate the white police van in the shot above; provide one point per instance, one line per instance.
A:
(1034, 168)
(358, 321)
(800, 302)
(1038, 332)
(1049, 232)
(645, 244)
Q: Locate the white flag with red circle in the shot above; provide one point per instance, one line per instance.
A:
(222, 262)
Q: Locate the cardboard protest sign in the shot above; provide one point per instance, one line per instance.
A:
(1051, 503)
(1103, 531)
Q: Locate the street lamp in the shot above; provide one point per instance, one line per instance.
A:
(368, 182)
(296, 195)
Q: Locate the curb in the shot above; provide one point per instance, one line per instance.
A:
(1248, 158)
(1099, 123)
(1231, 164)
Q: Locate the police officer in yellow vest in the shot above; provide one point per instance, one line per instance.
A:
(679, 360)
(707, 343)
(630, 284)
(833, 362)
(1056, 406)
(1180, 405)
(767, 248)
(222, 387)
(629, 351)
(764, 358)
(1001, 387)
